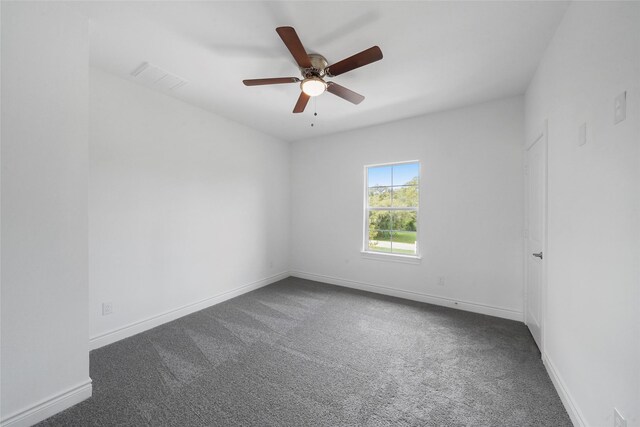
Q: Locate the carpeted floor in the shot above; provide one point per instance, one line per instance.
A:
(302, 353)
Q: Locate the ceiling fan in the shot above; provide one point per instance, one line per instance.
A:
(314, 69)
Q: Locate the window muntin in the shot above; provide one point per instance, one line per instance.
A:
(392, 199)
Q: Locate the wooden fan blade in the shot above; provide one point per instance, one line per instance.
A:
(344, 93)
(358, 60)
(302, 103)
(293, 43)
(273, 81)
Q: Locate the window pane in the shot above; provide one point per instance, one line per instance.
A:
(404, 242)
(380, 197)
(379, 176)
(405, 221)
(405, 196)
(406, 174)
(379, 240)
(380, 220)
(392, 205)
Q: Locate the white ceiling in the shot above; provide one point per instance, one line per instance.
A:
(437, 55)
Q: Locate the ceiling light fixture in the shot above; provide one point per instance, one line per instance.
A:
(313, 86)
(314, 68)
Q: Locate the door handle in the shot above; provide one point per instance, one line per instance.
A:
(538, 255)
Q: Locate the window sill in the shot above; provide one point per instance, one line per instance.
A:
(405, 259)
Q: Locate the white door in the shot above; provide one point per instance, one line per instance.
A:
(535, 235)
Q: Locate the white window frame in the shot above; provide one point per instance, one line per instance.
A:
(383, 256)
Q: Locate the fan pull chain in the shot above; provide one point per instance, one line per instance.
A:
(315, 113)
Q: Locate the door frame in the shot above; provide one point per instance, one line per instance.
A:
(542, 138)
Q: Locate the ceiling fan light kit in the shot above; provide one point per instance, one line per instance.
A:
(314, 68)
(313, 86)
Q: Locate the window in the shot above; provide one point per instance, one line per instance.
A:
(391, 208)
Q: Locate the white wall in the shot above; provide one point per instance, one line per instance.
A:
(184, 206)
(45, 56)
(471, 213)
(593, 321)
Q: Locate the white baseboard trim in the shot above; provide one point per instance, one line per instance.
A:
(48, 407)
(415, 296)
(157, 320)
(569, 403)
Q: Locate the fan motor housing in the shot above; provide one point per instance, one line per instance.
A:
(318, 65)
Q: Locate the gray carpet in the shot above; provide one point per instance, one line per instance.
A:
(302, 353)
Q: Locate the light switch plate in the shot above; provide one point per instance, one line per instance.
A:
(582, 134)
(620, 108)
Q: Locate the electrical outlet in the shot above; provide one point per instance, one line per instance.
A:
(107, 308)
(440, 280)
(582, 134)
(618, 421)
(620, 108)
